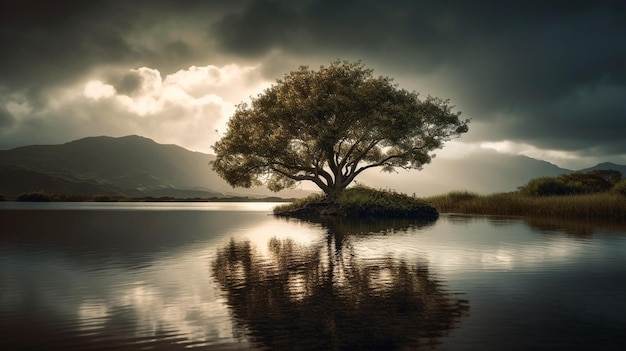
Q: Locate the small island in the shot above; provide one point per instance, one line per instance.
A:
(359, 202)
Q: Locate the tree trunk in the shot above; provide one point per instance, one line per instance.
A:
(333, 193)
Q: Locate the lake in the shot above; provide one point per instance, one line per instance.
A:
(229, 276)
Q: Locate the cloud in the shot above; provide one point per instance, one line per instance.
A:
(512, 148)
(48, 43)
(128, 83)
(185, 107)
(549, 76)
(98, 90)
(6, 118)
(261, 26)
(232, 81)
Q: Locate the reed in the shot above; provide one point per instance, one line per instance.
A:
(599, 206)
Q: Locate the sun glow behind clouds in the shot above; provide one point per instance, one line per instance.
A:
(455, 149)
(98, 90)
(184, 108)
(561, 158)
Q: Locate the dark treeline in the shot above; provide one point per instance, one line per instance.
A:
(41, 196)
(577, 183)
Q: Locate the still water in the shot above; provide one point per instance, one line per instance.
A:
(206, 276)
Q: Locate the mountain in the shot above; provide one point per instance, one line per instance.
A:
(128, 166)
(135, 166)
(483, 172)
(605, 166)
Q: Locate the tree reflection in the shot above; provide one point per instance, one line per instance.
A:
(324, 297)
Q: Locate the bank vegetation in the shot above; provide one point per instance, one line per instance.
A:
(42, 196)
(595, 195)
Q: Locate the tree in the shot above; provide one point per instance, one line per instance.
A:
(329, 126)
(574, 183)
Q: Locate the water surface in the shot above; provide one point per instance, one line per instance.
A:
(230, 276)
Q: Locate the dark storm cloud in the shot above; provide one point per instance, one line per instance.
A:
(260, 27)
(434, 33)
(6, 119)
(128, 83)
(52, 42)
(545, 66)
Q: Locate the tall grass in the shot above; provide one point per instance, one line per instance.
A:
(600, 206)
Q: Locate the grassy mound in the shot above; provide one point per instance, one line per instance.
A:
(360, 201)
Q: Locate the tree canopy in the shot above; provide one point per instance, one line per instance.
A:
(329, 126)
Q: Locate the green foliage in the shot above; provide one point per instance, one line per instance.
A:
(576, 183)
(619, 187)
(35, 196)
(330, 125)
(367, 202)
(361, 201)
(545, 186)
(3, 197)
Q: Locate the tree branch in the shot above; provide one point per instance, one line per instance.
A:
(300, 178)
(382, 162)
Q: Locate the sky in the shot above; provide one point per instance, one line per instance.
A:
(542, 79)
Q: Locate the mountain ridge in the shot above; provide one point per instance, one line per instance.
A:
(131, 166)
(135, 166)
(605, 166)
(483, 172)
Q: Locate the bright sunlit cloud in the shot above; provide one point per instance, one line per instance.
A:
(190, 107)
(456, 149)
(98, 90)
(561, 158)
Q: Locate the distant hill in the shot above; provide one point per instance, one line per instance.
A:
(483, 172)
(128, 166)
(605, 166)
(135, 166)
